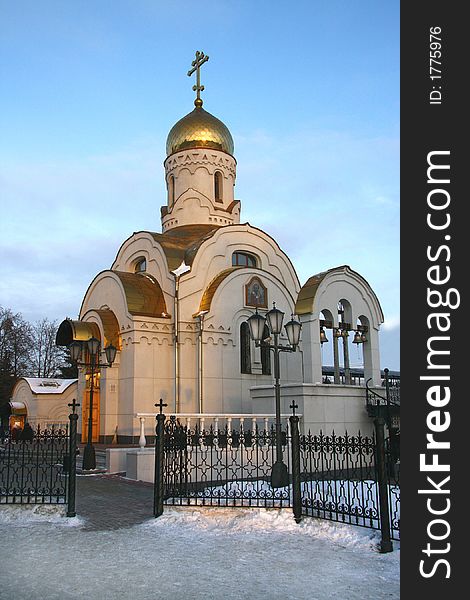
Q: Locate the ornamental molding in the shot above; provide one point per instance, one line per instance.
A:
(192, 160)
(217, 341)
(150, 340)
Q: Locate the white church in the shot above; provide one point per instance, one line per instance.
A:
(175, 304)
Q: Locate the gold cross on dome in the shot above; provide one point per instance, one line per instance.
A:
(201, 58)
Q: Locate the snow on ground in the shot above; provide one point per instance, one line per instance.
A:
(230, 521)
(191, 553)
(30, 514)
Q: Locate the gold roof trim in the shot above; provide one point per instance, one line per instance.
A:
(199, 129)
(211, 289)
(182, 243)
(144, 295)
(18, 408)
(70, 331)
(110, 327)
(306, 297)
(307, 294)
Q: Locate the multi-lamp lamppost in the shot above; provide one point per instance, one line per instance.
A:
(257, 322)
(87, 354)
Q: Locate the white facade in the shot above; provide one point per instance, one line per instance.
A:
(174, 303)
(43, 401)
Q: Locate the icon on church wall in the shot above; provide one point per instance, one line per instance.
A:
(256, 294)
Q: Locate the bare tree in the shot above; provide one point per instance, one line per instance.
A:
(46, 358)
(15, 351)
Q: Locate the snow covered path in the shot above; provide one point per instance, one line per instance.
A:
(191, 553)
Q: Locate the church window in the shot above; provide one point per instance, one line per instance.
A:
(243, 259)
(218, 186)
(265, 354)
(256, 293)
(140, 266)
(245, 348)
(171, 190)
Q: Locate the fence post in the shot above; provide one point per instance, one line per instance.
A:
(295, 448)
(382, 480)
(159, 462)
(72, 462)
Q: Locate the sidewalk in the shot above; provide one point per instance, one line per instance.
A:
(108, 502)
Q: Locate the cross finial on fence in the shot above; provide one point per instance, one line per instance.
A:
(73, 405)
(160, 405)
(294, 406)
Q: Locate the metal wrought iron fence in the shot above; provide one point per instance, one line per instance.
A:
(32, 470)
(221, 467)
(392, 459)
(334, 477)
(339, 478)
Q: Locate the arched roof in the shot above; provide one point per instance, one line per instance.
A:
(144, 295)
(181, 244)
(211, 289)
(306, 298)
(70, 331)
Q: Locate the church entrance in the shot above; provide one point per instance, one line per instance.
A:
(95, 408)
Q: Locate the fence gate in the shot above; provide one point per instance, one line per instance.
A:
(221, 467)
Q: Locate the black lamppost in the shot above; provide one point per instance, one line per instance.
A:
(274, 318)
(94, 350)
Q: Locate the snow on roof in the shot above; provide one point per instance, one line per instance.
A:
(46, 385)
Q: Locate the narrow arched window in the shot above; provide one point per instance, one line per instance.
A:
(245, 348)
(243, 259)
(265, 354)
(218, 188)
(140, 266)
(171, 190)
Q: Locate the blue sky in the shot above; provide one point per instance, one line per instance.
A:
(89, 91)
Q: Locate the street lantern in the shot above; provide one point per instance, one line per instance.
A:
(279, 472)
(275, 318)
(110, 352)
(75, 349)
(256, 323)
(93, 346)
(293, 329)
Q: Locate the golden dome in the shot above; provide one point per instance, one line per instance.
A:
(199, 129)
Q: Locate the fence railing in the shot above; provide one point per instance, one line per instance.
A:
(39, 466)
(31, 470)
(351, 479)
(339, 478)
(221, 467)
(262, 421)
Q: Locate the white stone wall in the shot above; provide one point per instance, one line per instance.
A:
(194, 199)
(44, 409)
(328, 408)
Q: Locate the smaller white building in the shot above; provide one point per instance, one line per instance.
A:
(42, 401)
